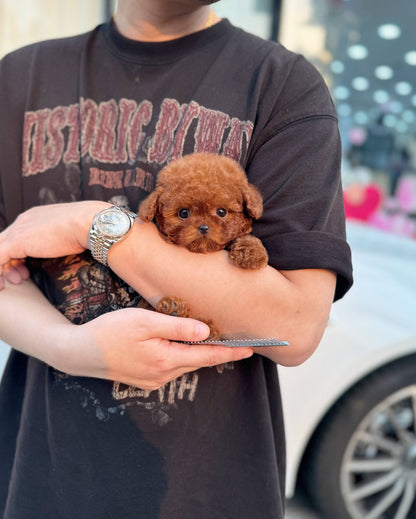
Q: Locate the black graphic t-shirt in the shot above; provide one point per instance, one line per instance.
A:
(96, 117)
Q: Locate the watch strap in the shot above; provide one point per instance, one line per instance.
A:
(100, 247)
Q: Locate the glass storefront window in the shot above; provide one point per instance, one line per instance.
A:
(366, 51)
(27, 21)
(252, 15)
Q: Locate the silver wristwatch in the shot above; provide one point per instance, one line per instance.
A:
(109, 227)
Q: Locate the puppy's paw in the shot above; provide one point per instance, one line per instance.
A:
(214, 334)
(247, 252)
(171, 305)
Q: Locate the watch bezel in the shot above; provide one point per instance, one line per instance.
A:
(100, 242)
(112, 210)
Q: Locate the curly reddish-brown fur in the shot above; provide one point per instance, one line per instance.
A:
(219, 199)
(205, 203)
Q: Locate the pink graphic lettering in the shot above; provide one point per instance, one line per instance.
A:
(234, 144)
(115, 132)
(34, 141)
(89, 114)
(105, 134)
(127, 108)
(136, 177)
(210, 130)
(169, 117)
(72, 150)
(108, 179)
(189, 113)
(136, 135)
(55, 144)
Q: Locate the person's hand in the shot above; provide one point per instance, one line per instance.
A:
(15, 271)
(48, 231)
(137, 347)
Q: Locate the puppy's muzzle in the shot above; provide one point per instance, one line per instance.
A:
(203, 229)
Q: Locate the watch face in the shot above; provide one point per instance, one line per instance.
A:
(113, 222)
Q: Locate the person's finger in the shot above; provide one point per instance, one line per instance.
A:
(16, 275)
(23, 271)
(191, 355)
(198, 356)
(4, 252)
(175, 328)
(16, 271)
(12, 276)
(4, 255)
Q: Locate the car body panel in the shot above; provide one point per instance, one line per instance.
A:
(4, 354)
(374, 324)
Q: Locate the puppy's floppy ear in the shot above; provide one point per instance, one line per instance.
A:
(148, 208)
(253, 201)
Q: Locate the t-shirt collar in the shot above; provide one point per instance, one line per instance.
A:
(157, 53)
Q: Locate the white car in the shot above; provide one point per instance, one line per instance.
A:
(4, 353)
(350, 410)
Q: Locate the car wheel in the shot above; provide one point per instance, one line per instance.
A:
(362, 462)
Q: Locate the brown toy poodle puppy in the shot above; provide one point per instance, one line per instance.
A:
(205, 203)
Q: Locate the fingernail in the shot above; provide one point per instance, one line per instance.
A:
(201, 331)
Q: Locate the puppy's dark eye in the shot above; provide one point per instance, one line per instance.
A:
(183, 213)
(221, 212)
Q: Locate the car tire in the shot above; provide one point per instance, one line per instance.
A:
(361, 463)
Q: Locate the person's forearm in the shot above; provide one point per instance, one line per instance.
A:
(266, 303)
(263, 303)
(29, 323)
(134, 346)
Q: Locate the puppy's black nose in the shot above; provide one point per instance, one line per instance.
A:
(203, 229)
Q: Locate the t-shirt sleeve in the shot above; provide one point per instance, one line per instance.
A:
(297, 169)
(12, 104)
(3, 224)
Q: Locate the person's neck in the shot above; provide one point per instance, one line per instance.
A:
(152, 20)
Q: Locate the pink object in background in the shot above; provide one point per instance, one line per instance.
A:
(362, 201)
(406, 193)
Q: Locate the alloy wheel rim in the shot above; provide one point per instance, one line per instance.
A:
(378, 471)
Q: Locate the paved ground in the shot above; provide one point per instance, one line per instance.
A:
(299, 509)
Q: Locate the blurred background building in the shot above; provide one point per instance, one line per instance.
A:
(27, 21)
(366, 51)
